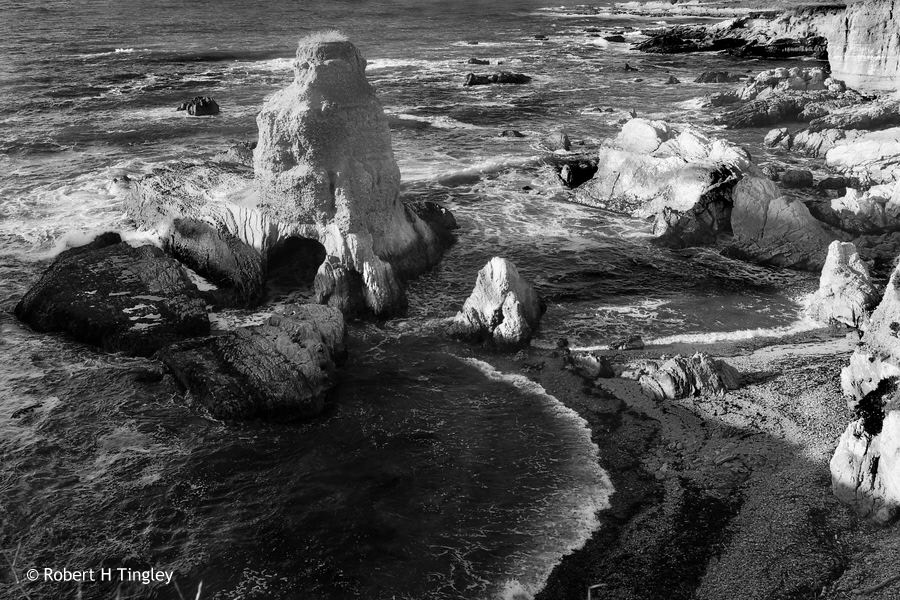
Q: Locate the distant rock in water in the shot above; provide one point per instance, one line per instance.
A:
(501, 77)
(120, 298)
(503, 307)
(846, 293)
(281, 369)
(865, 468)
(717, 77)
(478, 61)
(672, 80)
(616, 39)
(511, 133)
(864, 50)
(558, 140)
(680, 377)
(200, 106)
(632, 342)
(681, 179)
(574, 172)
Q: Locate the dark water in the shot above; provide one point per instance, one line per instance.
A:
(432, 476)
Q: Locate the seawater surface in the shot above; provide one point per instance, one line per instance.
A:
(432, 475)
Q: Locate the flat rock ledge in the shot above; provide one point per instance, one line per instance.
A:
(503, 307)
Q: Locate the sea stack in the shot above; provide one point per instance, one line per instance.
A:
(324, 164)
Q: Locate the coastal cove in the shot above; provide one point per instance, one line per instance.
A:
(489, 301)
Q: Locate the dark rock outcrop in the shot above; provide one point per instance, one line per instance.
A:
(504, 77)
(717, 77)
(281, 369)
(115, 296)
(199, 106)
(681, 377)
(222, 258)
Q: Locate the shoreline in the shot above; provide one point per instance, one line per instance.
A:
(715, 498)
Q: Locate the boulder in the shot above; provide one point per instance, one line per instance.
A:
(511, 133)
(325, 169)
(773, 229)
(199, 106)
(846, 293)
(221, 257)
(501, 77)
(681, 179)
(796, 178)
(115, 296)
(558, 140)
(575, 172)
(478, 61)
(616, 39)
(777, 137)
(681, 377)
(865, 472)
(864, 50)
(503, 307)
(441, 220)
(672, 80)
(280, 369)
(862, 211)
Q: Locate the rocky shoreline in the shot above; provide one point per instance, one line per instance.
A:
(722, 455)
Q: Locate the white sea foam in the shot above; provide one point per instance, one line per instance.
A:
(580, 504)
(485, 167)
(799, 326)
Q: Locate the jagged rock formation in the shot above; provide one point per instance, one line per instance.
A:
(199, 106)
(862, 210)
(793, 33)
(864, 50)
(324, 165)
(846, 293)
(280, 369)
(503, 307)
(771, 228)
(865, 471)
(684, 180)
(680, 377)
(117, 297)
(501, 77)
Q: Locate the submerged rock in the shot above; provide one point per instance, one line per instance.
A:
(503, 307)
(681, 179)
(117, 297)
(200, 106)
(280, 369)
(846, 293)
(680, 377)
(865, 468)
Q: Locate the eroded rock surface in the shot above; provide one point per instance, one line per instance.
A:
(865, 49)
(846, 293)
(503, 307)
(682, 377)
(282, 368)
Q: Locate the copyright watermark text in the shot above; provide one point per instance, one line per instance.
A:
(121, 574)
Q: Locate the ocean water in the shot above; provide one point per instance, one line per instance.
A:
(433, 475)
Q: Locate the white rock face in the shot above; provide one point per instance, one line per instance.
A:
(682, 377)
(865, 468)
(846, 293)
(874, 156)
(683, 179)
(864, 49)
(776, 230)
(324, 163)
(503, 306)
